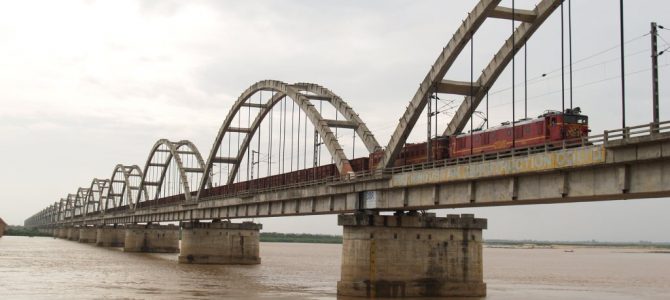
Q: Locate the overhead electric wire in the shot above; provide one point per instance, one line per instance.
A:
(585, 84)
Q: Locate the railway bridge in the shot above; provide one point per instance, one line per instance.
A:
(392, 245)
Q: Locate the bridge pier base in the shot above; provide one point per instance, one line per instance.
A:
(152, 238)
(220, 243)
(87, 234)
(61, 232)
(73, 233)
(110, 236)
(411, 256)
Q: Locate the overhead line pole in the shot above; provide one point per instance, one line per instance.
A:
(623, 68)
(654, 74)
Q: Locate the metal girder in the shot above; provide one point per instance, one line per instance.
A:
(225, 160)
(341, 124)
(444, 61)
(522, 15)
(318, 97)
(239, 129)
(456, 87)
(493, 70)
(253, 105)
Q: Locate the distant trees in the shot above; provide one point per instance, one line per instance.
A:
(300, 238)
(23, 231)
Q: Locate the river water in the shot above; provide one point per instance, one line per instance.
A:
(48, 268)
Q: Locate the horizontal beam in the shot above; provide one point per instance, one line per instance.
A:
(225, 160)
(507, 13)
(253, 105)
(317, 97)
(238, 129)
(464, 88)
(341, 124)
(193, 170)
(185, 152)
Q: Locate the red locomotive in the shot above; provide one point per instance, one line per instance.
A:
(550, 127)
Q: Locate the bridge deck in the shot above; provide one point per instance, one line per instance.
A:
(606, 167)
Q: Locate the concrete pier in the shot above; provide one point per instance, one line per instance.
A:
(61, 232)
(87, 234)
(220, 243)
(110, 236)
(411, 256)
(73, 233)
(152, 238)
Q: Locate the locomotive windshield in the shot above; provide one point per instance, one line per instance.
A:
(576, 119)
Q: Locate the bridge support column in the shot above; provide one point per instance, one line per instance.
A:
(411, 256)
(87, 234)
(152, 238)
(110, 236)
(220, 243)
(73, 233)
(61, 233)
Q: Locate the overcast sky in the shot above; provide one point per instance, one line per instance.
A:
(85, 85)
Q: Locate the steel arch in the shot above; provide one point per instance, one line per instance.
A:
(126, 191)
(174, 152)
(343, 108)
(500, 61)
(53, 213)
(98, 194)
(434, 80)
(294, 92)
(69, 206)
(80, 199)
(61, 209)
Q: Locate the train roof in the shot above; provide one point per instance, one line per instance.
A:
(504, 125)
(569, 112)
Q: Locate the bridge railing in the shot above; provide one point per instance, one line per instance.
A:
(598, 139)
(636, 131)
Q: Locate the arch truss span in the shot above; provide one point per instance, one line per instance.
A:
(172, 170)
(124, 186)
(434, 82)
(97, 197)
(80, 201)
(62, 204)
(52, 215)
(302, 95)
(69, 208)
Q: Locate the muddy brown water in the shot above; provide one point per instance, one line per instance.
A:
(47, 268)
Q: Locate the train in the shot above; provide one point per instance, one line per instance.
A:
(552, 127)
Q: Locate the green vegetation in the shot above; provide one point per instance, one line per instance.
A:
(274, 237)
(23, 231)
